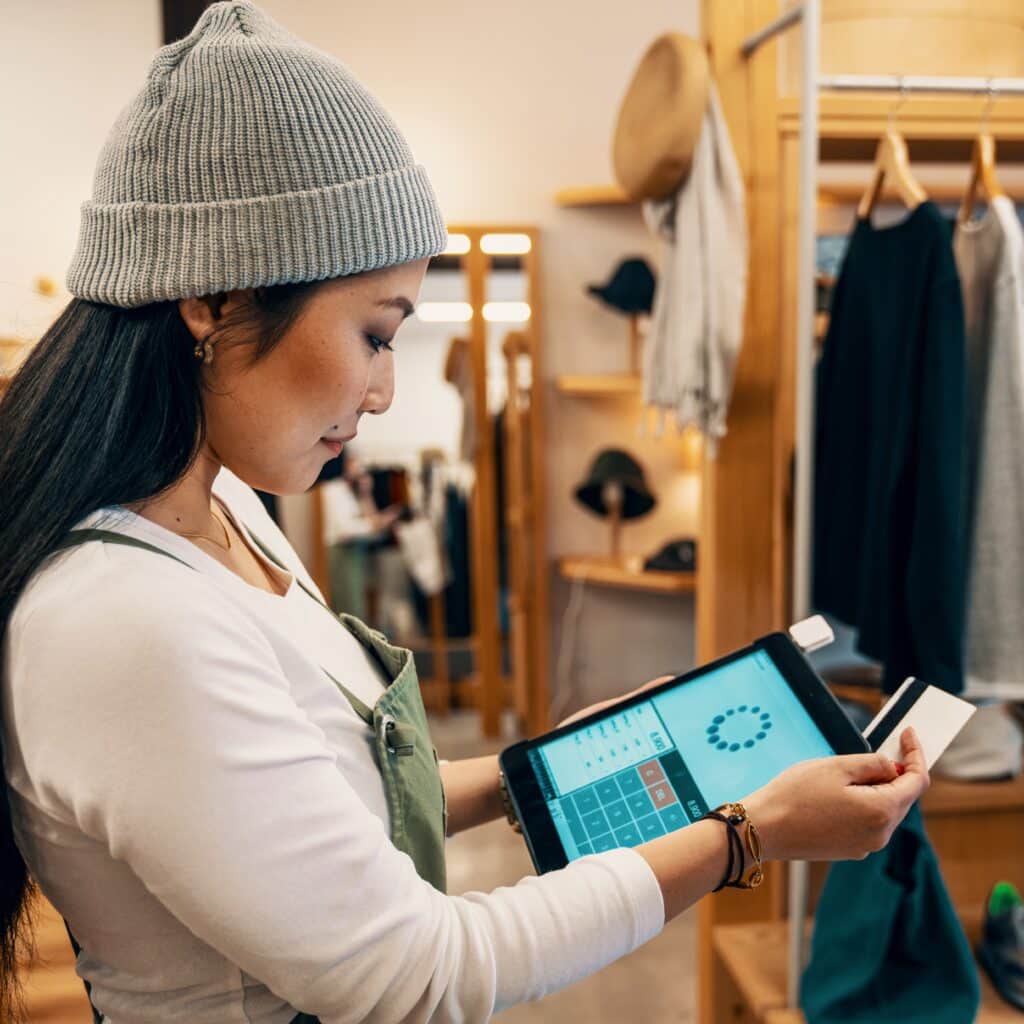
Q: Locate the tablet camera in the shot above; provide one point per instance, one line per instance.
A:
(739, 728)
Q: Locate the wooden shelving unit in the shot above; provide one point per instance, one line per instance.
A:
(623, 573)
(593, 195)
(606, 385)
(753, 959)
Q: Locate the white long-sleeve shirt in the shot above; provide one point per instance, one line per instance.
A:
(204, 807)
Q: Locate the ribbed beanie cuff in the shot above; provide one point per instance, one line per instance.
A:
(188, 197)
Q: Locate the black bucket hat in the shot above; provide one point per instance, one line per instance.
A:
(679, 555)
(613, 466)
(630, 289)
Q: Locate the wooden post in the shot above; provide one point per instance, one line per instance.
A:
(320, 569)
(634, 345)
(439, 647)
(518, 521)
(615, 517)
(539, 617)
(483, 510)
(741, 588)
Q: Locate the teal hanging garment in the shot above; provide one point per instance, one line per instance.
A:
(887, 943)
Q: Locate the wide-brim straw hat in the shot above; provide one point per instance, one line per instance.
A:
(660, 117)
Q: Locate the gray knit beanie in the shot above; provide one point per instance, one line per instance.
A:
(249, 158)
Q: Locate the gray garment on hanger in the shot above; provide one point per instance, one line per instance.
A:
(697, 325)
(990, 260)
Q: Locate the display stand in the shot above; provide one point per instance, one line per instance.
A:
(755, 542)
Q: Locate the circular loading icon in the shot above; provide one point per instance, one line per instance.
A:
(739, 728)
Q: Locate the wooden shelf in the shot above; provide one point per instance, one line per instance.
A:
(622, 573)
(945, 796)
(755, 955)
(593, 195)
(599, 386)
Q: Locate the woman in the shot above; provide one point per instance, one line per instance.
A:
(228, 793)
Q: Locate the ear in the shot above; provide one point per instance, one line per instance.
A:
(204, 314)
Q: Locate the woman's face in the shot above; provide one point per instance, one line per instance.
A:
(267, 422)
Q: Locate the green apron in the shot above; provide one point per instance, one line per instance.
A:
(408, 761)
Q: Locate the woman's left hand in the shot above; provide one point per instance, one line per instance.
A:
(601, 705)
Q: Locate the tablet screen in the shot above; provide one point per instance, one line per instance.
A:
(660, 764)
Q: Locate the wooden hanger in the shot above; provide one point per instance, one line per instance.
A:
(892, 161)
(983, 174)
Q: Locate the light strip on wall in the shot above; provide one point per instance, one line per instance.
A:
(458, 245)
(507, 312)
(444, 312)
(505, 244)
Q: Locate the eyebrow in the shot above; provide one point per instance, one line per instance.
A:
(399, 302)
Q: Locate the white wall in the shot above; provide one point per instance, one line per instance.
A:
(504, 104)
(66, 70)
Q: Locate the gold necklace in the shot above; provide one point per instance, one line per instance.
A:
(202, 536)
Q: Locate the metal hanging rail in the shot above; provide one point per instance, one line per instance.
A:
(921, 83)
(752, 43)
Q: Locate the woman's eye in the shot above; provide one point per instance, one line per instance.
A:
(378, 343)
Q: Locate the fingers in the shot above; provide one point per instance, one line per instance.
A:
(914, 780)
(912, 753)
(868, 769)
(652, 683)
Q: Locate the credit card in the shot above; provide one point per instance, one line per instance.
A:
(936, 717)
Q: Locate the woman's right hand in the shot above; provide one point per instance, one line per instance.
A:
(837, 808)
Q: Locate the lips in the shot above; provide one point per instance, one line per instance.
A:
(335, 444)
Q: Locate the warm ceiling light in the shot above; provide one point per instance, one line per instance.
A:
(505, 245)
(458, 245)
(507, 312)
(444, 312)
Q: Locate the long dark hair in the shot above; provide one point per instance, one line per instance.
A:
(106, 410)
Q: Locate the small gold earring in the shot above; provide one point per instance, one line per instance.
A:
(204, 351)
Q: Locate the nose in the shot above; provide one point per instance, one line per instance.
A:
(380, 386)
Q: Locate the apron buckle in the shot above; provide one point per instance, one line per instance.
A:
(392, 735)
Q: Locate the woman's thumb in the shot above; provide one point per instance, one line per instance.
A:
(869, 769)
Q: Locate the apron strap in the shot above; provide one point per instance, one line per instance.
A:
(284, 568)
(76, 537)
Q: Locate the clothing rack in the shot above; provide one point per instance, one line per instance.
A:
(812, 84)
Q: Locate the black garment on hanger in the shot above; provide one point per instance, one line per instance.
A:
(889, 546)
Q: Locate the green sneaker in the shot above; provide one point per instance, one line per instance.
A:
(1001, 950)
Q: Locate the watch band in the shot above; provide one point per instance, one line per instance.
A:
(510, 811)
(736, 815)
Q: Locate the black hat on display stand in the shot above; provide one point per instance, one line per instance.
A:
(629, 290)
(616, 489)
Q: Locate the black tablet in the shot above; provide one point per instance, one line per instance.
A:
(659, 760)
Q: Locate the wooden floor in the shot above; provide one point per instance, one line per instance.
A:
(53, 992)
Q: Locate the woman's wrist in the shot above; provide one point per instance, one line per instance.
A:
(472, 789)
(687, 863)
